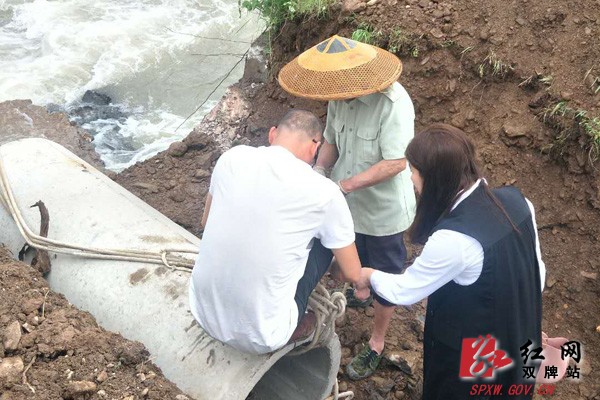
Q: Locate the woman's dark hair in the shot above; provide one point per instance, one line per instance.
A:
(446, 161)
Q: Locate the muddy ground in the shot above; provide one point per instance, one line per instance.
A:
(51, 350)
(516, 76)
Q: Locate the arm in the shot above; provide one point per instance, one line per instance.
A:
(328, 155)
(348, 263)
(396, 131)
(207, 204)
(447, 256)
(377, 173)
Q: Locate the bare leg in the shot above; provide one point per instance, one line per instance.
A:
(383, 316)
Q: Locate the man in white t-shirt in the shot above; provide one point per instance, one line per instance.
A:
(269, 219)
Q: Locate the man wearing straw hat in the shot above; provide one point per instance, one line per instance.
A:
(370, 121)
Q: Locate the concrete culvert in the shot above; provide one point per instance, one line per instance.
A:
(143, 301)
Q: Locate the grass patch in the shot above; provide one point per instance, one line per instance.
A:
(492, 66)
(533, 81)
(275, 12)
(574, 124)
(366, 33)
(403, 43)
(398, 41)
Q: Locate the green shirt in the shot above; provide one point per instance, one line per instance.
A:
(365, 131)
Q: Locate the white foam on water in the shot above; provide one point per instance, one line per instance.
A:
(154, 58)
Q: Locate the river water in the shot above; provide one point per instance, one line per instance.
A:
(157, 60)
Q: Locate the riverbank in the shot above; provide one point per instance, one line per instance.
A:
(514, 78)
(520, 79)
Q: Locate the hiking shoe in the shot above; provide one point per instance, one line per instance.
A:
(363, 364)
(353, 302)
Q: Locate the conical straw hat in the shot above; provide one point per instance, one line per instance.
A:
(339, 69)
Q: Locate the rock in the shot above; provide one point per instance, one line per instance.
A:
(31, 305)
(512, 130)
(436, 33)
(598, 329)
(96, 98)
(399, 395)
(590, 275)
(352, 6)
(550, 281)
(202, 174)
(343, 386)
(177, 195)
(423, 3)
(383, 385)
(28, 327)
(147, 186)
(369, 311)
(196, 141)
(452, 85)
(458, 121)
(566, 95)
(181, 397)
(521, 21)
(204, 161)
(145, 392)
(12, 336)
(102, 376)
(588, 31)
(437, 13)
(372, 3)
(400, 362)
(11, 368)
(79, 388)
(101, 393)
(177, 149)
(44, 349)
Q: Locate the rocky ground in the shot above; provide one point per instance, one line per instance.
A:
(51, 350)
(521, 78)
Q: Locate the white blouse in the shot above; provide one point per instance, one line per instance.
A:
(447, 255)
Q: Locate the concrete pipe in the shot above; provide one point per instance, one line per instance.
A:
(143, 301)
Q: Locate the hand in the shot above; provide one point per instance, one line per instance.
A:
(362, 294)
(364, 281)
(342, 188)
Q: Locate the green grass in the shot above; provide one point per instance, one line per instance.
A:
(573, 123)
(275, 12)
(366, 33)
(403, 43)
(494, 67)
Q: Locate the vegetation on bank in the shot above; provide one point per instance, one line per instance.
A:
(276, 12)
(573, 125)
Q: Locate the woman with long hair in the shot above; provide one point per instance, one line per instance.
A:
(480, 268)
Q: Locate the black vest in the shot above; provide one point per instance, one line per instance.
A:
(505, 301)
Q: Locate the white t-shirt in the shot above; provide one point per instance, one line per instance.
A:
(267, 206)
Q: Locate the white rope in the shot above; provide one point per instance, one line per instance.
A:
(327, 307)
(42, 243)
(337, 395)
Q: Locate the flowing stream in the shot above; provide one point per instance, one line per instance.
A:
(146, 65)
